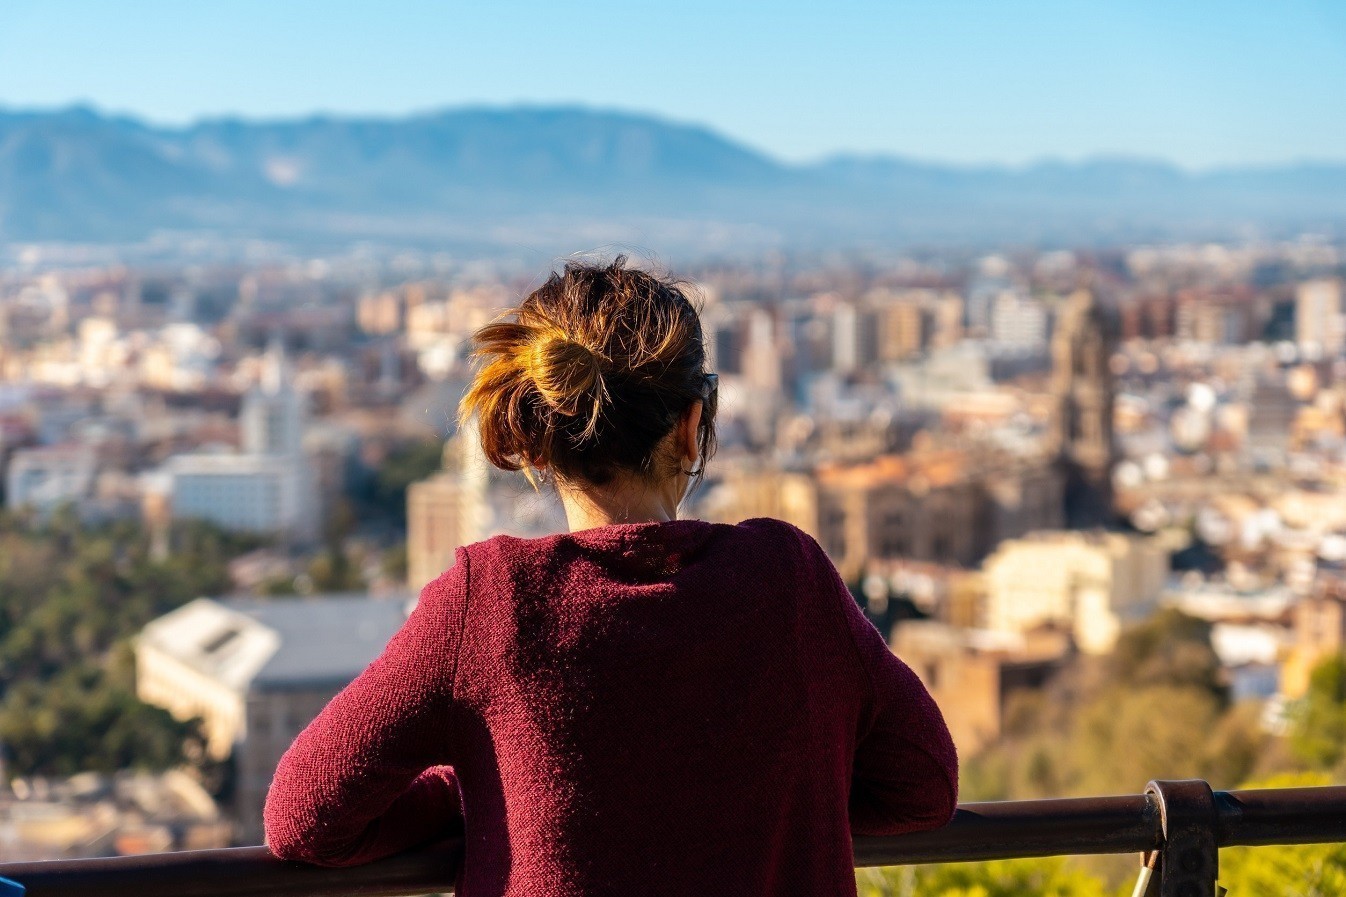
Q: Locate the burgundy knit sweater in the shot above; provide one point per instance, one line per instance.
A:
(678, 708)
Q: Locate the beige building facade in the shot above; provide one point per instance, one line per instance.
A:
(1092, 583)
(446, 511)
(943, 507)
(972, 674)
(1319, 633)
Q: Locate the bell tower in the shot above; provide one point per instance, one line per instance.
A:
(1081, 430)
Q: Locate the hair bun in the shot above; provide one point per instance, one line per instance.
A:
(568, 376)
(589, 375)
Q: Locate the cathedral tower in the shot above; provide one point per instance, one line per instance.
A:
(1081, 430)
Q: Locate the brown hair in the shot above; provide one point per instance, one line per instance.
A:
(589, 374)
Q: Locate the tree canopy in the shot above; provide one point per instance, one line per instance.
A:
(71, 599)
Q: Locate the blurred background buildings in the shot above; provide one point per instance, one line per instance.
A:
(1073, 430)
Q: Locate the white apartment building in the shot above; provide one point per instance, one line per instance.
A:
(45, 478)
(1019, 322)
(270, 486)
(246, 493)
(256, 672)
(855, 338)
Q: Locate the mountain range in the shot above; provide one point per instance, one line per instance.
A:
(492, 179)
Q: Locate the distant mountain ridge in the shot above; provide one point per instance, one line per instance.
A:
(490, 178)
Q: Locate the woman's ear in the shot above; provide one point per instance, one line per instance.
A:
(688, 430)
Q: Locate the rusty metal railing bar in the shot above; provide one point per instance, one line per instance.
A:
(979, 831)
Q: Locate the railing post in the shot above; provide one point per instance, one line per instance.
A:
(1189, 861)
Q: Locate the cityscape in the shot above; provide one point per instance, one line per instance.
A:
(1018, 460)
(1033, 317)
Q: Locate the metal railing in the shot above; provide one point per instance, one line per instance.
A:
(1177, 826)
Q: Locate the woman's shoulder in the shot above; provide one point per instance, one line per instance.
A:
(772, 528)
(782, 534)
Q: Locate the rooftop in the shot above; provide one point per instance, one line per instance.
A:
(283, 643)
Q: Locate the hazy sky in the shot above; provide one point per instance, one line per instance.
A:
(1199, 82)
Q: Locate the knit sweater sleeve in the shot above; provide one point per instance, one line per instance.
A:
(905, 776)
(369, 776)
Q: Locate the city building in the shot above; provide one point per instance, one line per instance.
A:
(1082, 419)
(1019, 323)
(920, 507)
(1320, 327)
(946, 594)
(271, 486)
(256, 672)
(1225, 316)
(1319, 632)
(1090, 583)
(1271, 414)
(973, 673)
(855, 337)
(906, 327)
(749, 490)
(244, 493)
(946, 507)
(47, 477)
(446, 511)
(90, 814)
(761, 358)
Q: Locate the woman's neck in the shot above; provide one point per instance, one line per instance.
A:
(626, 500)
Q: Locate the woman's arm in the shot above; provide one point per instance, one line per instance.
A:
(906, 768)
(365, 779)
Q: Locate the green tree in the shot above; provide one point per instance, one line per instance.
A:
(1169, 649)
(1127, 736)
(393, 564)
(1318, 729)
(1311, 870)
(82, 721)
(332, 571)
(71, 598)
(405, 465)
(1156, 708)
(1045, 877)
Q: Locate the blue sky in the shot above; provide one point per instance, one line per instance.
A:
(1197, 82)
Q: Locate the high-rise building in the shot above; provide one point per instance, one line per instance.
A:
(723, 336)
(1320, 327)
(1082, 426)
(905, 328)
(1271, 413)
(855, 341)
(274, 413)
(1018, 322)
(948, 321)
(761, 354)
(447, 511)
